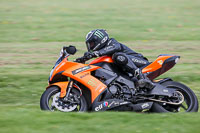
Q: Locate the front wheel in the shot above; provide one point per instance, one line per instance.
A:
(190, 103)
(50, 100)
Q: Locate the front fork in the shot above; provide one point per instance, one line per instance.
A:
(65, 87)
(66, 92)
(69, 87)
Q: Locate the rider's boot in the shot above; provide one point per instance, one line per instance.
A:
(143, 81)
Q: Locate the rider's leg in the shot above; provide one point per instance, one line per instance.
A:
(127, 62)
(143, 80)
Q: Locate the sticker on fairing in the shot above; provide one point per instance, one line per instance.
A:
(80, 70)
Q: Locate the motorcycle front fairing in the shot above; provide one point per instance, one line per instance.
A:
(56, 64)
(78, 72)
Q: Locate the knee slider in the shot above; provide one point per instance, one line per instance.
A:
(120, 59)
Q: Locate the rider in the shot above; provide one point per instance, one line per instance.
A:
(99, 44)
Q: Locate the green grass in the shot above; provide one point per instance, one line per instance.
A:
(29, 21)
(22, 120)
(33, 32)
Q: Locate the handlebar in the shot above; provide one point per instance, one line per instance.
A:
(70, 50)
(85, 57)
(82, 59)
(64, 53)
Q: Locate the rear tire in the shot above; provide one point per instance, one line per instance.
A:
(191, 100)
(52, 91)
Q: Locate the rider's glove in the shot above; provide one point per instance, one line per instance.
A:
(80, 60)
(92, 54)
(88, 55)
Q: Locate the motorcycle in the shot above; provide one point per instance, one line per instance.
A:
(102, 86)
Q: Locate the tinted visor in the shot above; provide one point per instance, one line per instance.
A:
(90, 46)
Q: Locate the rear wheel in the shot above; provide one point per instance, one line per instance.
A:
(190, 103)
(50, 100)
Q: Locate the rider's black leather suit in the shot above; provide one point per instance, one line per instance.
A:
(123, 56)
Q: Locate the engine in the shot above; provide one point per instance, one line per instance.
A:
(120, 87)
(120, 91)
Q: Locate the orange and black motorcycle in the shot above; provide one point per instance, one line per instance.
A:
(101, 86)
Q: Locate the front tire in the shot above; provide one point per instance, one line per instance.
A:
(50, 101)
(190, 103)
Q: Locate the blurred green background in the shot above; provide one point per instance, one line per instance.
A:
(33, 32)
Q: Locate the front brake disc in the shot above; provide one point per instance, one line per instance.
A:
(60, 105)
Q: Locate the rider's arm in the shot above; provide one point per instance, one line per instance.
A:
(110, 49)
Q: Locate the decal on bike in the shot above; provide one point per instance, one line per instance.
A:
(166, 91)
(123, 103)
(101, 89)
(60, 66)
(99, 107)
(92, 82)
(80, 70)
(160, 62)
(84, 75)
(145, 105)
(98, 87)
(111, 104)
(105, 104)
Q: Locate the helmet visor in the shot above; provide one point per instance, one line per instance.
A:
(90, 46)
